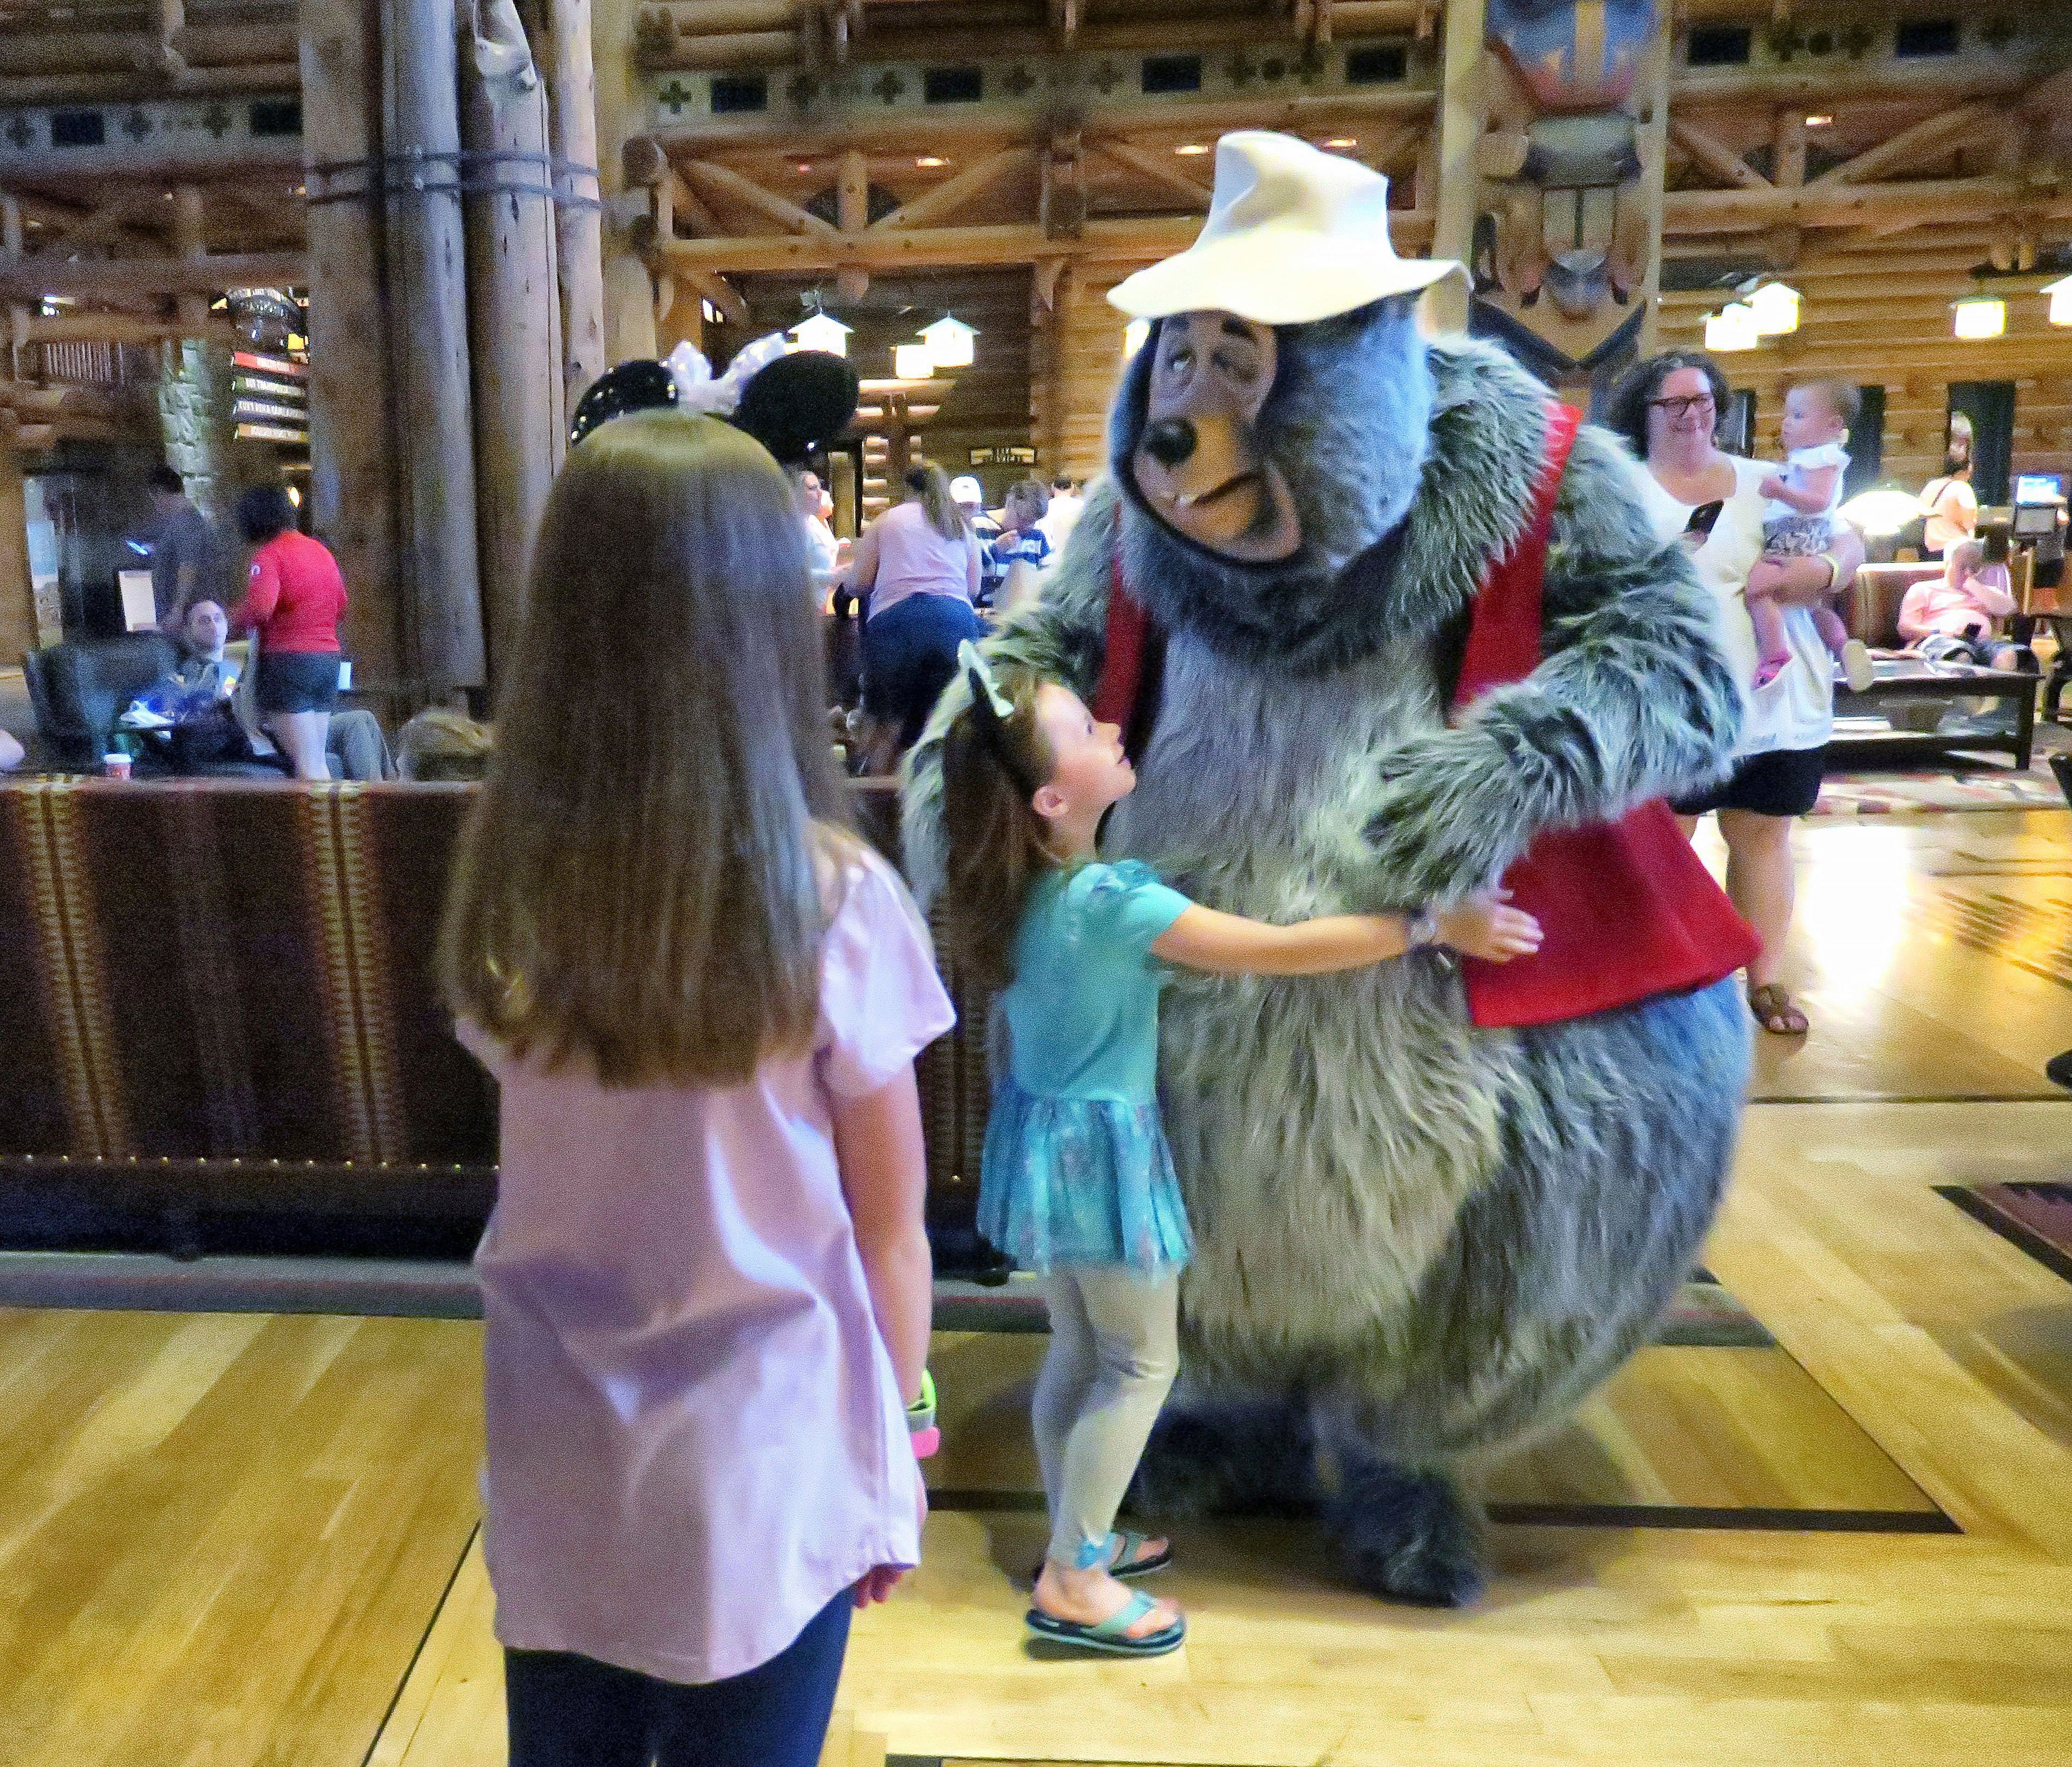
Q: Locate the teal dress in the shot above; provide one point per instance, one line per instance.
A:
(1076, 1170)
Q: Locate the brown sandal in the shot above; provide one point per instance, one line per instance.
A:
(1774, 1011)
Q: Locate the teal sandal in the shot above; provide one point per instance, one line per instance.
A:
(1130, 1560)
(1111, 1634)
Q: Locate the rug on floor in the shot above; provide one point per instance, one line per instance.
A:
(1983, 787)
(2036, 1217)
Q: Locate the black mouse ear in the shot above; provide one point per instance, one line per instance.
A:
(800, 402)
(639, 385)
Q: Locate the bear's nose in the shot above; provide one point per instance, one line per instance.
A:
(1169, 440)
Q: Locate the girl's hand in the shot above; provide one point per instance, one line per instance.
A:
(1482, 926)
(1765, 576)
(878, 1584)
(1772, 486)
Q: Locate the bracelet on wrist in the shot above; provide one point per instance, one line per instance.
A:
(921, 1430)
(1421, 929)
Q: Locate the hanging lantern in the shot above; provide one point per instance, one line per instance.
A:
(822, 333)
(1732, 328)
(1980, 316)
(2060, 300)
(949, 342)
(1133, 335)
(1775, 306)
(912, 362)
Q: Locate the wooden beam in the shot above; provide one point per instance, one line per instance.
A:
(723, 181)
(711, 285)
(1158, 167)
(1716, 157)
(1750, 211)
(628, 289)
(91, 327)
(945, 198)
(1651, 138)
(88, 277)
(1910, 145)
(1460, 183)
(564, 59)
(257, 80)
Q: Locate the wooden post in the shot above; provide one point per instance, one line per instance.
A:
(629, 290)
(578, 227)
(516, 324)
(1460, 184)
(353, 481)
(1654, 144)
(1788, 171)
(188, 241)
(18, 598)
(428, 298)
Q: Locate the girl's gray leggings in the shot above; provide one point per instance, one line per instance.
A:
(1114, 1351)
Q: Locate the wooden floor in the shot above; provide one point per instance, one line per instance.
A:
(237, 1540)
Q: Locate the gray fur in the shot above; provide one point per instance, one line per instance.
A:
(1440, 1238)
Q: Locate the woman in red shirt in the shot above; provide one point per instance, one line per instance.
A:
(293, 599)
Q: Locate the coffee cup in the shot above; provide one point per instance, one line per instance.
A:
(116, 765)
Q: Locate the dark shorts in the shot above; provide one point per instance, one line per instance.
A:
(1783, 782)
(909, 652)
(297, 681)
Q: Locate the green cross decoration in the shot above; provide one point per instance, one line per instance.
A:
(890, 86)
(216, 119)
(676, 95)
(136, 125)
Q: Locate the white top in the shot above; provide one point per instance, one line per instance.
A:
(695, 1438)
(1058, 521)
(1797, 710)
(1797, 464)
(1953, 508)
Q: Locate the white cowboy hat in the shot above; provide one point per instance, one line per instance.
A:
(1294, 234)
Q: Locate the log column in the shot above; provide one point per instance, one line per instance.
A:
(578, 229)
(18, 599)
(629, 290)
(1459, 193)
(428, 301)
(352, 484)
(519, 421)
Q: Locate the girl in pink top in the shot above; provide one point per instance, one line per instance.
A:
(706, 1282)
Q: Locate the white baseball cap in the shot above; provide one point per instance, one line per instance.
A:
(1294, 234)
(966, 491)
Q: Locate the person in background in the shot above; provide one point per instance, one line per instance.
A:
(12, 754)
(1949, 502)
(814, 506)
(1667, 408)
(189, 561)
(203, 669)
(1021, 539)
(706, 1282)
(1950, 617)
(294, 598)
(968, 495)
(1063, 513)
(919, 562)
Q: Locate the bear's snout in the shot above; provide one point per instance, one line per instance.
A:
(1169, 440)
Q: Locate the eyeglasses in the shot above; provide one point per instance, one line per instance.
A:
(1676, 409)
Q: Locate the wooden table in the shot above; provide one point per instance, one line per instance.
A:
(1908, 679)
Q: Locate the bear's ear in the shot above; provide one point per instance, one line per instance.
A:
(800, 402)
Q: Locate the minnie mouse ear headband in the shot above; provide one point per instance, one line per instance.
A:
(791, 401)
(991, 708)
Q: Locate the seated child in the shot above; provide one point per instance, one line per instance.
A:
(1799, 523)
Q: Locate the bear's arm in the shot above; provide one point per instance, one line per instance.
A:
(1061, 636)
(1633, 701)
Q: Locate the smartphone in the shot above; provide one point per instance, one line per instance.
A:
(1702, 518)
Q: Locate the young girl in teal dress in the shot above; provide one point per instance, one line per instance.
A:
(1077, 1183)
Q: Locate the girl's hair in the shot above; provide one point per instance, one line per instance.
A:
(932, 484)
(263, 513)
(1841, 397)
(1963, 555)
(639, 887)
(1957, 450)
(1627, 413)
(997, 849)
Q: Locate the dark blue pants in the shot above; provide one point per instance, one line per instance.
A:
(567, 1711)
(909, 652)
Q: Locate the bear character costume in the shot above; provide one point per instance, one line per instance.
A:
(1417, 1240)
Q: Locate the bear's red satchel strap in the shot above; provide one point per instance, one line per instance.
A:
(1122, 661)
(1505, 630)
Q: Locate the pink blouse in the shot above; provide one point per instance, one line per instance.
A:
(695, 1438)
(900, 556)
(1963, 610)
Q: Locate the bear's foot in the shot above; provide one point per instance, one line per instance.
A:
(1408, 1537)
(1227, 1459)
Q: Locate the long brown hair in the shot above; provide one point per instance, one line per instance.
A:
(639, 888)
(997, 849)
(932, 485)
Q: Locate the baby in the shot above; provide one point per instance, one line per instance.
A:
(1799, 523)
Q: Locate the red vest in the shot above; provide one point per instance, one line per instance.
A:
(1628, 911)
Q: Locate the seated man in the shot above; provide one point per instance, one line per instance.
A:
(1951, 619)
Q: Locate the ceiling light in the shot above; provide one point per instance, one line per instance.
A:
(1820, 120)
(949, 342)
(928, 163)
(1732, 328)
(1190, 148)
(912, 362)
(822, 333)
(1775, 306)
(1980, 316)
(805, 164)
(1879, 514)
(2060, 300)
(1343, 141)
